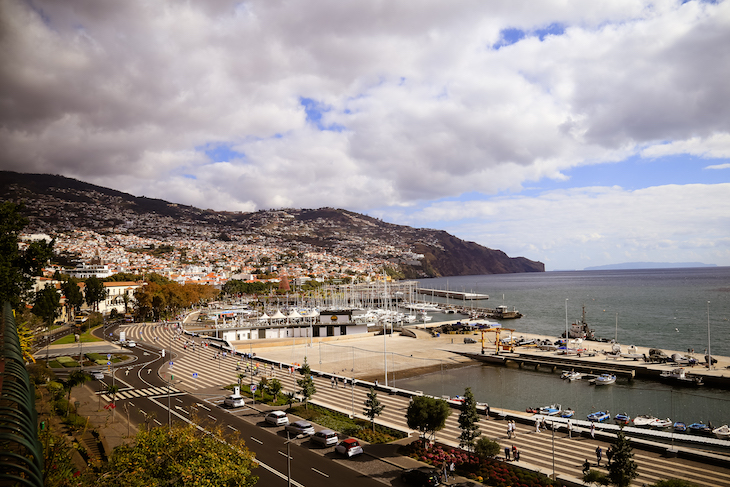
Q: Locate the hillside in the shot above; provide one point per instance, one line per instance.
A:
(58, 204)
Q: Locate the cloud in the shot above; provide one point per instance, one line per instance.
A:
(713, 147)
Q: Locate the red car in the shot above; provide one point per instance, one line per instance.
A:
(349, 447)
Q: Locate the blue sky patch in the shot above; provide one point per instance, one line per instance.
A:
(220, 151)
(314, 111)
(508, 37)
(550, 30)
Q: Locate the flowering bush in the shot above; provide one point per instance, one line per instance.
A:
(486, 470)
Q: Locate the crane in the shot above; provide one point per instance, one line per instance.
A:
(497, 331)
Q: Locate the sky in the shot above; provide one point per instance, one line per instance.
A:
(570, 132)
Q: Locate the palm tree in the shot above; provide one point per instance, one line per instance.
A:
(113, 389)
(76, 378)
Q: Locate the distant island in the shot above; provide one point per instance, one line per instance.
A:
(647, 265)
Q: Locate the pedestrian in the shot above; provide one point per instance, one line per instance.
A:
(514, 429)
(537, 425)
(506, 453)
(593, 431)
(515, 454)
(570, 428)
(333, 382)
(445, 472)
(609, 454)
(599, 455)
(488, 411)
(452, 468)
(586, 467)
(509, 430)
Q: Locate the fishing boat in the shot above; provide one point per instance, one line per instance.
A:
(722, 433)
(661, 423)
(622, 418)
(567, 413)
(643, 420)
(680, 377)
(571, 376)
(532, 410)
(604, 379)
(552, 410)
(599, 416)
(680, 427)
(700, 428)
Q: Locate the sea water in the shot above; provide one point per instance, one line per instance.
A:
(661, 308)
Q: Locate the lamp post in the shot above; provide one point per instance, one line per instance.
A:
(709, 354)
(552, 424)
(288, 456)
(566, 325)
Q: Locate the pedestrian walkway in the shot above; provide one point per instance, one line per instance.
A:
(148, 392)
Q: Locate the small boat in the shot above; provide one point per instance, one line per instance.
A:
(660, 423)
(571, 376)
(722, 433)
(604, 379)
(680, 427)
(532, 410)
(567, 413)
(552, 410)
(643, 420)
(680, 377)
(599, 416)
(622, 418)
(700, 427)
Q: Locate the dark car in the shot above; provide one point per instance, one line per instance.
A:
(421, 477)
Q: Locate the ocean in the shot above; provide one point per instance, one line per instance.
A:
(661, 308)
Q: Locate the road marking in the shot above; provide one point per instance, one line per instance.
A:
(283, 454)
(131, 403)
(234, 429)
(213, 418)
(206, 408)
(321, 473)
(178, 399)
(257, 441)
(158, 422)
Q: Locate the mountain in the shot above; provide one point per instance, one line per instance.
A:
(647, 265)
(60, 204)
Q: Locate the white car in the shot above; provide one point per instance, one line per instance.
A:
(98, 375)
(324, 438)
(130, 344)
(278, 418)
(233, 401)
(349, 448)
(300, 427)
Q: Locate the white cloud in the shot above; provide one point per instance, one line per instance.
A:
(713, 147)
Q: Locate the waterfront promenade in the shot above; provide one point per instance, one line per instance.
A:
(537, 448)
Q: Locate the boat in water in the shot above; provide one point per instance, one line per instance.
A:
(567, 413)
(604, 379)
(598, 416)
(680, 427)
(661, 423)
(679, 376)
(622, 418)
(700, 428)
(571, 376)
(722, 433)
(643, 420)
(552, 410)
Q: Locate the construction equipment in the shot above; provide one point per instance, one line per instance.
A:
(497, 331)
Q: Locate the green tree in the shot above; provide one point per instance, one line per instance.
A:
(18, 267)
(76, 378)
(180, 456)
(47, 304)
(427, 415)
(73, 294)
(373, 407)
(674, 483)
(468, 421)
(275, 387)
(486, 448)
(306, 383)
(595, 477)
(623, 468)
(95, 292)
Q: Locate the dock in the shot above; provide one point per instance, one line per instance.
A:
(463, 296)
(556, 362)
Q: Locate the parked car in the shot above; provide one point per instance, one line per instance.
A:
(97, 374)
(300, 427)
(277, 418)
(421, 477)
(233, 401)
(469, 340)
(324, 438)
(349, 447)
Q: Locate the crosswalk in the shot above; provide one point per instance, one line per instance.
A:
(199, 369)
(134, 393)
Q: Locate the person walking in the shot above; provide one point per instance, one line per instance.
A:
(537, 425)
(514, 429)
(515, 454)
(609, 455)
(593, 431)
(599, 455)
(506, 453)
(586, 466)
(452, 468)
(570, 428)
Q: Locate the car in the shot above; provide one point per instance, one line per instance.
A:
(278, 418)
(233, 401)
(421, 477)
(469, 340)
(349, 447)
(300, 427)
(324, 438)
(130, 344)
(97, 374)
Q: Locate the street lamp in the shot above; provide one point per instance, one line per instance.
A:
(709, 354)
(288, 456)
(566, 325)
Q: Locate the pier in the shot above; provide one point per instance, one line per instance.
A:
(556, 362)
(463, 296)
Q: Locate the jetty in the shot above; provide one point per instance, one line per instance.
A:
(459, 295)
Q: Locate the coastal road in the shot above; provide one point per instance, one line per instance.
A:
(537, 450)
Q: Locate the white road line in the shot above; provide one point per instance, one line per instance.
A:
(158, 422)
(212, 417)
(257, 440)
(321, 473)
(234, 429)
(283, 454)
(207, 409)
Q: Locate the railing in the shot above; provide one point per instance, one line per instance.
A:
(21, 454)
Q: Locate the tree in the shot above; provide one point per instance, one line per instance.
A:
(275, 388)
(486, 448)
(76, 378)
(595, 477)
(46, 304)
(180, 456)
(73, 294)
(95, 292)
(17, 267)
(623, 468)
(427, 415)
(306, 383)
(373, 407)
(468, 421)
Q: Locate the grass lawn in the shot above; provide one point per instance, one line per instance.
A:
(85, 337)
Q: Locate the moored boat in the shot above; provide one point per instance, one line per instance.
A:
(622, 418)
(567, 413)
(660, 423)
(722, 433)
(700, 428)
(552, 410)
(604, 379)
(598, 416)
(680, 377)
(680, 427)
(643, 420)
